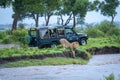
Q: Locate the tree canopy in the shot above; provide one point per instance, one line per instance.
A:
(108, 8)
(47, 8)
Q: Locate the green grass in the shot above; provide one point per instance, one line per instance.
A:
(99, 43)
(47, 61)
(92, 42)
(14, 52)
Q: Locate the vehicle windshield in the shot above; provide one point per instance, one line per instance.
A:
(33, 33)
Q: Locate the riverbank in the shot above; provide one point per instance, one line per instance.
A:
(98, 67)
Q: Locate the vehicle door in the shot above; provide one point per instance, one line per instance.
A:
(71, 35)
(44, 36)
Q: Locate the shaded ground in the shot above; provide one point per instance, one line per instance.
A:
(98, 67)
(9, 45)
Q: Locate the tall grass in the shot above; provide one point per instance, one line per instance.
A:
(47, 61)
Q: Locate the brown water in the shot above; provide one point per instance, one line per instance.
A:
(98, 67)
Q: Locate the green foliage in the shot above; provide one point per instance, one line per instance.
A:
(21, 26)
(14, 52)
(104, 26)
(113, 31)
(3, 34)
(108, 8)
(83, 54)
(114, 39)
(5, 3)
(93, 32)
(19, 35)
(6, 40)
(104, 29)
(110, 77)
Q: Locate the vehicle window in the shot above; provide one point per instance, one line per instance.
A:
(53, 33)
(33, 33)
(44, 33)
(68, 31)
(60, 32)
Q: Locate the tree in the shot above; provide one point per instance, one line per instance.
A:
(50, 7)
(18, 9)
(72, 8)
(108, 8)
(34, 9)
(80, 7)
(5, 3)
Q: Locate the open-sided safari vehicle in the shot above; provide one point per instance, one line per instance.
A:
(45, 36)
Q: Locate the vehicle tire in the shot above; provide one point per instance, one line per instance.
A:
(83, 41)
(39, 47)
(54, 44)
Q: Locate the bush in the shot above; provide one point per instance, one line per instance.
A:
(110, 77)
(104, 26)
(19, 35)
(93, 32)
(113, 31)
(83, 54)
(2, 34)
(6, 40)
(114, 39)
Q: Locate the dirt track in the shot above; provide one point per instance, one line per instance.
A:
(98, 67)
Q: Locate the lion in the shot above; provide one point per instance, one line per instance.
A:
(73, 46)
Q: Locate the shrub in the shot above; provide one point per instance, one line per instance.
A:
(93, 32)
(6, 40)
(110, 77)
(83, 54)
(114, 39)
(2, 34)
(104, 26)
(113, 31)
(19, 35)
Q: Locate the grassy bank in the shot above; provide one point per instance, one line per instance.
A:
(47, 61)
(17, 52)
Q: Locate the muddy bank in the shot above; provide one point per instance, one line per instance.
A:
(104, 50)
(18, 58)
(66, 54)
(93, 51)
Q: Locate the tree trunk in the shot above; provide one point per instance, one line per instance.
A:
(14, 25)
(113, 16)
(61, 19)
(37, 20)
(68, 20)
(47, 18)
(74, 21)
(47, 21)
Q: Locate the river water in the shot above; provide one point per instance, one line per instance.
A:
(98, 67)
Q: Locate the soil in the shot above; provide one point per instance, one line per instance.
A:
(104, 50)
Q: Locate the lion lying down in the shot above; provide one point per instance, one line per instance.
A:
(73, 46)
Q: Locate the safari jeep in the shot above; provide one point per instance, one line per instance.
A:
(49, 36)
